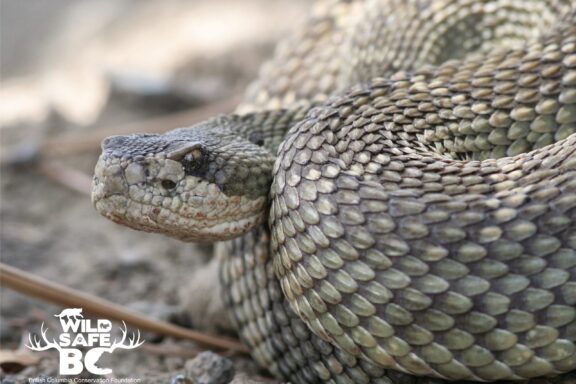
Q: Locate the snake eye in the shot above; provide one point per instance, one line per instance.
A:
(195, 162)
(168, 184)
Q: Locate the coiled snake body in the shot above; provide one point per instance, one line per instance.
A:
(415, 226)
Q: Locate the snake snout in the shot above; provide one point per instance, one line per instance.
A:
(108, 181)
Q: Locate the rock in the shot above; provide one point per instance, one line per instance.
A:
(209, 368)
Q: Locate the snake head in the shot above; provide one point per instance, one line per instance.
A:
(202, 183)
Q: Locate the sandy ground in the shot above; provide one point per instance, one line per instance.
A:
(76, 67)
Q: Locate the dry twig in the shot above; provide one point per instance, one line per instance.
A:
(35, 286)
(69, 177)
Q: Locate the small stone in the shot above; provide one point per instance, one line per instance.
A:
(209, 368)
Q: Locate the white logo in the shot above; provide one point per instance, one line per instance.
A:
(94, 336)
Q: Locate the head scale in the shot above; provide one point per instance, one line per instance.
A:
(208, 182)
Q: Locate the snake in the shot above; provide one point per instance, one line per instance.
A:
(394, 201)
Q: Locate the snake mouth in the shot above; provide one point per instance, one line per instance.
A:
(199, 228)
(212, 216)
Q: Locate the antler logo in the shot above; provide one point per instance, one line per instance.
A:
(93, 336)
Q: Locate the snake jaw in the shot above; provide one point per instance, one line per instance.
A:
(152, 219)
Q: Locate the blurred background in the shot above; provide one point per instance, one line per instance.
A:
(73, 72)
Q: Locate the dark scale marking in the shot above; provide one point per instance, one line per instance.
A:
(196, 166)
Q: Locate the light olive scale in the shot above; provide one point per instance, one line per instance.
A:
(398, 192)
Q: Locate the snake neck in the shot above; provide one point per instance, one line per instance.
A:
(266, 128)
